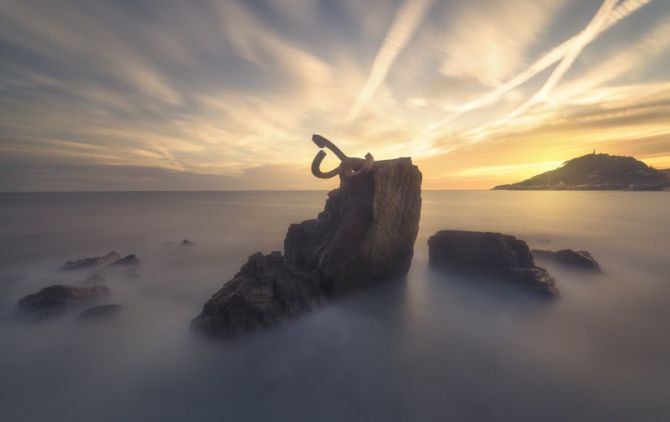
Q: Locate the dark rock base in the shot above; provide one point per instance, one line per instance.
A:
(491, 254)
(582, 260)
(266, 291)
(88, 263)
(58, 299)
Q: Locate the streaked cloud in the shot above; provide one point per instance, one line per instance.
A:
(490, 50)
(407, 20)
(230, 91)
(565, 53)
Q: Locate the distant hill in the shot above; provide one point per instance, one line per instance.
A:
(597, 172)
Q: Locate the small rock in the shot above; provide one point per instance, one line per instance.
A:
(126, 261)
(266, 290)
(186, 243)
(491, 254)
(100, 312)
(578, 259)
(86, 263)
(58, 299)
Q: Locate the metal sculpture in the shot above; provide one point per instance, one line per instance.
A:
(349, 166)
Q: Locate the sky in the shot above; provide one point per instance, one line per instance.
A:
(225, 94)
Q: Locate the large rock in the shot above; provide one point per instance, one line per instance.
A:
(58, 299)
(366, 232)
(266, 290)
(582, 260)
(492, 254)
(88, 263)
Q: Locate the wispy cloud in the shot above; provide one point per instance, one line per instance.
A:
(566, 53)
(408, 18)
(633, 57)
(234, 88)
(579, 42)
(606, 16)
(490, 50)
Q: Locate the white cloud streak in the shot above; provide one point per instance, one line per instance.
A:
(584, 38)
(608, 15)
(233, 87)
(404, 25)
(490, 50)
(575, 44)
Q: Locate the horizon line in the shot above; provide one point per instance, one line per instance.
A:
(208, 190)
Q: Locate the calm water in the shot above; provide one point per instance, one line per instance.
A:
(433, 347)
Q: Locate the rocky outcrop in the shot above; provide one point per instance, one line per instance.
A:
(58, 299)
(89, 263)
(266, 290)
(492, 254)
(596, 172)
(126, 261)
(112, 259)
(366, 232)
(582, 260)
(100, 312)
(365, 235)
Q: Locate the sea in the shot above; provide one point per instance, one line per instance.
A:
(430, 347)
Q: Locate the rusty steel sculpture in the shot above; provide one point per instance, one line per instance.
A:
(349, 166)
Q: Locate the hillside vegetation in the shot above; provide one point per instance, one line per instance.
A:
(597, 172)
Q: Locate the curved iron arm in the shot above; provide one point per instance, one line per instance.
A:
(316, 167)
(322, 142)
(348, 167)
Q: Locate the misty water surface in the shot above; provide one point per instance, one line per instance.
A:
(433, 347)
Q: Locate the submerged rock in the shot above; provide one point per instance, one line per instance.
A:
(491, 254)
(126, 261)
(578, 259)
(100, 312)
(87, 263)
(58, 299)
(366, 232)
(266, 290)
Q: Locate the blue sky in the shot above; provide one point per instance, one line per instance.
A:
(99, 95)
